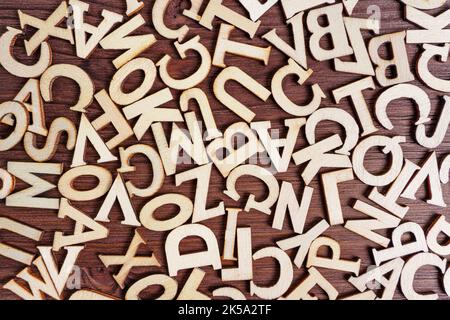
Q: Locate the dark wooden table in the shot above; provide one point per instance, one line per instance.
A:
(94, 274)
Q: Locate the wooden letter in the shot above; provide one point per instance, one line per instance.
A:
(390, 145)
(439, 226)
(22, 230)
(281, 163)
(46, 28)
(245, 269)
(282, 99)
(335, 262)
(284, 280)
(120, 39)
(410, 269)
(422, 66)
(354, 91)
(297, 212)
(317, 157)
(182, 202)
(113, 116)
(337, 115)
(177, 261)
(27, 198)
(365, 228)
(400, 91)
(87, 132)
(433, 32)
(82, 221)
(170, 287)
(236, 74)
(296, 53)
(303, 242)
(363, 65)
(71, 72)
(157, 168)
(86, 46)
(60, 277)
(203, 176)
(21, 120)
(260, 173)
(398, 249)
(115, 88)
(67, 189)
(235, 156)
(224, 45)
(430, 172)
(399, 60)
(335, 29)
(194, 79)
(118, 192)
(330, 181)
(215, 8)
(129, 260)
(158, 12)
(58, 127)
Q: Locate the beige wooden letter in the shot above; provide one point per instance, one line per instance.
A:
(57, 128)
(21, 120)
(439, 226)
(71, 72)
(82, 221)
(129, 260)
(215, 8)
(22, 230)
(335, 262)
(235, 156)
(236, 74)
(85, 46)
(262, 174)
(158, 12)
(335, 29)
(182, 202)
(27, 198)
(118, 192)
(390, 145)
(399, 249)
(282, 99)
(296, 53)
(224, 45)
(170, 287)
(126, 155)
(67, 189)
(330, 182)
(354, 91)
(113, 116)
(14, 67)
(399, 61)
(393, 267)
(410, 269)
(87, 132)
(280, 162)
(285, 277)
(202, 175)
(46, 28)
(430, 172)
(365, 228)
(194, 79)
(177, 261)
(297, 212)
(60, 277)
(120, 39)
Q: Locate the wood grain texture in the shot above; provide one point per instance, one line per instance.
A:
(94, 275)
